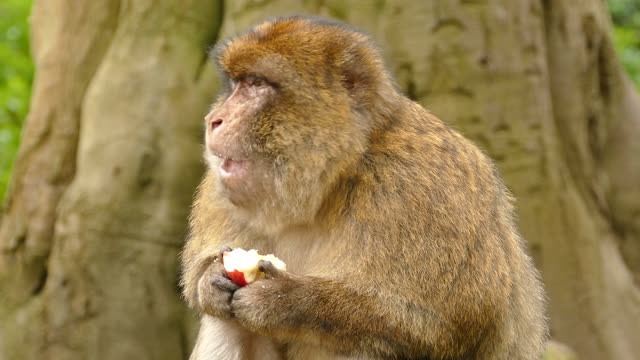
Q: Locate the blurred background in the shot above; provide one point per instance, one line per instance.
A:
(100, 130)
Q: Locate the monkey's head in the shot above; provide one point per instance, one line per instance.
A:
(299, 101)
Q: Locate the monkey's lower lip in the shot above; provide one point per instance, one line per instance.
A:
(230, 168)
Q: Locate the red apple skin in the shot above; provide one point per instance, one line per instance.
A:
(237, 277)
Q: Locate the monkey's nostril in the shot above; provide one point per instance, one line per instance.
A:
(215, 124)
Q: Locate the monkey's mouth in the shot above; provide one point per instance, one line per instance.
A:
(234, 177)
(232, 168)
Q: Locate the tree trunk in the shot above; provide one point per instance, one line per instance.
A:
(110, 156)
(109, 159)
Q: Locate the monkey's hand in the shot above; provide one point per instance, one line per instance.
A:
(260, 306)
(324, 311)
(215, 289)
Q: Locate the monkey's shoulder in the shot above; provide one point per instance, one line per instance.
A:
(421, 150)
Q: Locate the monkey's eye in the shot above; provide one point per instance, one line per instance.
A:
(254, 80)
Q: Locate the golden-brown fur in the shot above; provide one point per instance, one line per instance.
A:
(397, 231)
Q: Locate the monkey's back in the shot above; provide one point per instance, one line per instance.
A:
(439, 201)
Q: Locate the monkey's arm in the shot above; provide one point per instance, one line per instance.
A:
(211, 232)
(333, 314)
(201, 255)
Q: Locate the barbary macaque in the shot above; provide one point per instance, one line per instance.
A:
(397, 232)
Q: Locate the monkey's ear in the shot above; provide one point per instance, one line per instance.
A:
(360, 72)
(355, 80)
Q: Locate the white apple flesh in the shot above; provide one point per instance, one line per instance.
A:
(242, 266)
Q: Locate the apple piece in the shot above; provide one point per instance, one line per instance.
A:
(237, 277)
(242, 266)
(279, 264)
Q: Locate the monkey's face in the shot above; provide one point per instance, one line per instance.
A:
(230, 151)
(275, 148)
(288, 122)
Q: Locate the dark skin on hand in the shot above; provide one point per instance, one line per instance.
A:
(398, 232)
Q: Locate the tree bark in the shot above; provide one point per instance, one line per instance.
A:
(101, 189)
(110, 157)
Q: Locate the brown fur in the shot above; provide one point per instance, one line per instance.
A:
(397, 231)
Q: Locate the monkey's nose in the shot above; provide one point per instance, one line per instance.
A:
(214, 124)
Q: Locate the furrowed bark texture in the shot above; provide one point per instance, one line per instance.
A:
(110, 157)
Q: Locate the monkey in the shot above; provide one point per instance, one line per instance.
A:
(398, 232)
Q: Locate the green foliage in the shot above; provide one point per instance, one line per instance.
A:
(16, 73)
(626, 18)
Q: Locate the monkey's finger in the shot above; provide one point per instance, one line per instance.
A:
(270, 270)
(224, 283)
(221, 253)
